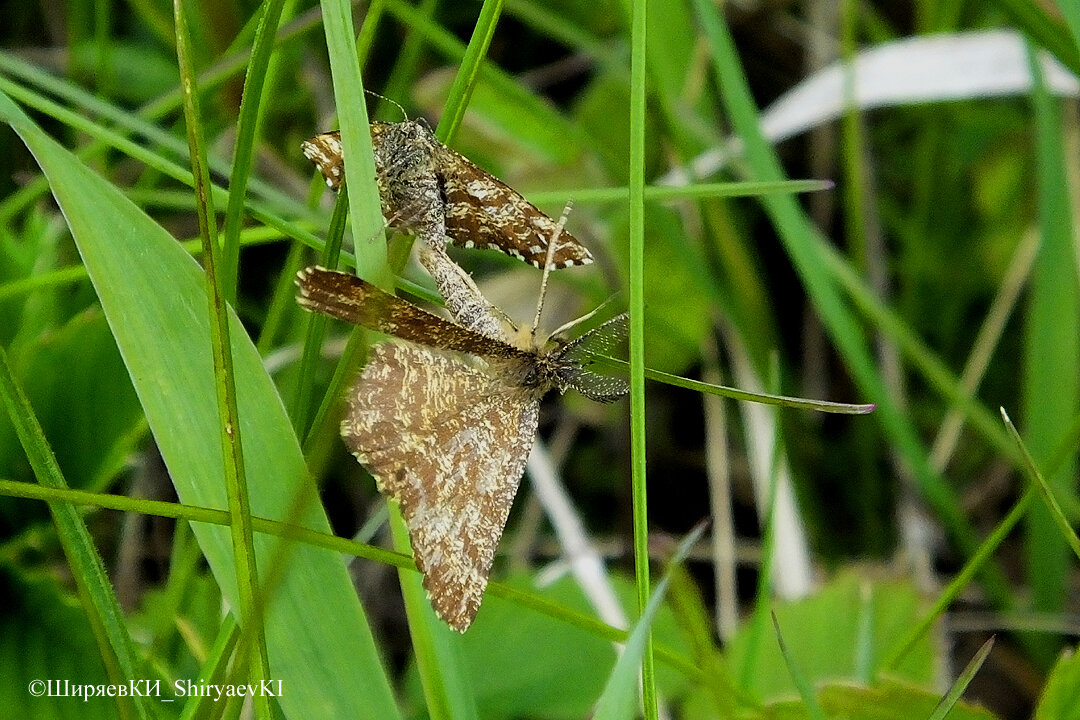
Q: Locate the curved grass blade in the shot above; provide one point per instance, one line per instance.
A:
(737, 394)
(806, 689)
(1044, 488)
(247, 125)
(469, 70)
(339, 545)
(804, 248)
(656, 193)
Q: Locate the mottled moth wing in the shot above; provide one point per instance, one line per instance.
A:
(484, 212)
(354, 300)
(324, 151)
(579, 353)
(448, 441)
(480, 210)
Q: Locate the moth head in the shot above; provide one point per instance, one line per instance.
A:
(568, 364)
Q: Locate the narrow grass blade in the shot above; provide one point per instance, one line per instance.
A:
(316, 324)
(737, 394)
(905, 644)
(247, 126)
(469, 70)
(1049, 33)
(957, 690)
(333, 543)
(437, 648)
(364, 206)
(1051, 367)
(804, 247)
(438, 657)
(806, 690)
(657, 193)
(638, 483)
(243, 543)
(1044, 489)
(618, 699)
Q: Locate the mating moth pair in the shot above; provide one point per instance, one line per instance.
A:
(444, 417)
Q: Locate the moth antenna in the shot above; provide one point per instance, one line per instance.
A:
(577, 321)
(547, 264)
(392, 102)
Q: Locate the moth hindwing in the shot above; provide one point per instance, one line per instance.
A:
(445, 423)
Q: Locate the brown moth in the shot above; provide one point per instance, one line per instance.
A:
(431, 190)
(444, 417)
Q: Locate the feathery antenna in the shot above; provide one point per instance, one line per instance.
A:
(547, 263)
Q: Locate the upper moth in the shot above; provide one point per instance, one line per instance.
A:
(431, 190)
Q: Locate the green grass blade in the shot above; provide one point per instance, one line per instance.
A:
(247, 579)
(247, 126)
(439, 659)
(153, 293)
(407, 65)
(803, 247)
(199, 514)
(1051, 374)
(369, 30)
(639, 486)
(438, 651)
(87, 105)
(511, 89)
(915, 350)
(618, 697)
(364, 206)
(1071, 12)
(1039, 26)
(806, 689)
(1044, 489)
(214, 669)
(906, 643)
(681, 192)
(458, 99)
(316, 324)
(737, 394)
(258, 210)
(341, 546)
(957, 690)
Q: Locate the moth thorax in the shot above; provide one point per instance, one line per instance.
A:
(545, 372)
(406, 149)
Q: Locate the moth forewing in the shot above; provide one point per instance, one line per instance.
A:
(488, 213)
(355, 300)
(326, 154)
(476, 209)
